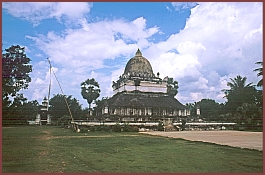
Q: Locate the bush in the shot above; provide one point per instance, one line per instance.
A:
(128, 128)
(92, 128)
(104, 128)
(117, 127)
(134, 129)
(160, 126)
(14, 122)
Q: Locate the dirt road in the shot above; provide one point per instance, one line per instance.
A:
(251, 140)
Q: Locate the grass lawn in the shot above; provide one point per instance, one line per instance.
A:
(53, 149)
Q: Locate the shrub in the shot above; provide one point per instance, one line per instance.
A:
(83, 130)
(134, 129)
(126, 127)
(117, 127)
(92, 128)
(104, 128)
(160, 126)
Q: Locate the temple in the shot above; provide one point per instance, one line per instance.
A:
(140, 95)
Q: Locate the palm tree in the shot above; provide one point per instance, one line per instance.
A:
(90, 90)
(260, 72)
(237, 83)
(239, 93)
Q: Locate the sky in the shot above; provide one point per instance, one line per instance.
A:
(201, 45)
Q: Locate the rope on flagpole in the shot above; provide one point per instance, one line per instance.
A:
(62, 93)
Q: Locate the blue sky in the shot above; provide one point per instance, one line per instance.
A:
(200, 45)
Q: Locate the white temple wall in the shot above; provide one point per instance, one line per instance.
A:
(144, 87)
(147, 111)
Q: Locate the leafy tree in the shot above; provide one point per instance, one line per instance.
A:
(15, 71)
(58, 107)
(249, 116)
(172, 87)
(31, 109)
(12, 114)
(6, 103)
(90, 90)
(64, 120)
(19, 100)
(209, 108)
(260, 72)
(20, 111)
(259, 98)
(239, 93)
(102, 101)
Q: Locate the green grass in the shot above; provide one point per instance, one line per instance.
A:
(52, 149)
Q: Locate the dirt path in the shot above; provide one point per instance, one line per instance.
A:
(251, 140)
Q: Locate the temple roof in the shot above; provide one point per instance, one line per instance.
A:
(143, 100)
(138, 65)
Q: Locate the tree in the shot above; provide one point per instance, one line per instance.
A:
(260, 73)
(172, 87)
(15, 71)
(90, 90)
(239, 93)
(209, 109)
(249, 116)
(31, 109)
(20, 110)
(12, 114)
(58, 107)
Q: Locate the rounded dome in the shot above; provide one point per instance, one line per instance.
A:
(138, 65)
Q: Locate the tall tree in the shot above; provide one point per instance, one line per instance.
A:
(260, 72)
(90, 90)
(239, 93)
(58, 107)
(15, 70)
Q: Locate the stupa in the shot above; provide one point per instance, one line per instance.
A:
(140, 95)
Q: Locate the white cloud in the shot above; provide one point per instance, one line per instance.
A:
(38, 11)
(180, 6)
(176, 65)
(196, 96)
(254, 32)
(140, 22)
(189, 47)
(90, 45)
(220, 40)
